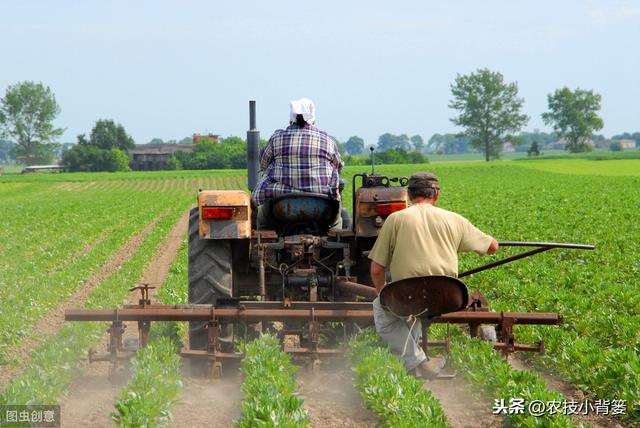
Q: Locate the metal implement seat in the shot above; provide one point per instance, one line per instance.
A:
(425, 296)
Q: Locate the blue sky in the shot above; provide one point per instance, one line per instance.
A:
(169, 69)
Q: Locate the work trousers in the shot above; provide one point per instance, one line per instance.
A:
(396, 332)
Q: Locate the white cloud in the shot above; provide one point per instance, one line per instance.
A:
(608, 12)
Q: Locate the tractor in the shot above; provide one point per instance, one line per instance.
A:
(304, 280)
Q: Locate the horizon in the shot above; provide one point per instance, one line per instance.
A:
(168, 71)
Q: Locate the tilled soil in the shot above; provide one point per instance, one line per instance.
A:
(463, 406)
(90, 397)
(331, 399)
(49, 324)
(209, 403)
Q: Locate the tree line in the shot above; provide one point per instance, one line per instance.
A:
(489, 114)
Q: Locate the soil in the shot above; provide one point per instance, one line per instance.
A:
(209, 403)
(556, 383)
(464, 407)
(91, 395)
(166, 184)
(50, 323)
(331, 399)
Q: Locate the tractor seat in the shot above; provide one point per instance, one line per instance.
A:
(313, 212)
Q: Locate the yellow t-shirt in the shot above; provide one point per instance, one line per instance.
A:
(424, 240)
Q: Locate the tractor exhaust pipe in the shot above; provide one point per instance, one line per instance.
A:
(253, 147)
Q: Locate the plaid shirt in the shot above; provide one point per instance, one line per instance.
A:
(298, 159)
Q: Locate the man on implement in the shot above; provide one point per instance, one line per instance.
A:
(301, 158)
(419, 241)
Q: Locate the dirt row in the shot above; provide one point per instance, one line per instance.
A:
(329, 395)
(90, 397)
(50, 323)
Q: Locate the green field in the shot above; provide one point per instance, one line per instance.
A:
(49, 220)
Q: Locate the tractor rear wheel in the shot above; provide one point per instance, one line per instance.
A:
(210, 277)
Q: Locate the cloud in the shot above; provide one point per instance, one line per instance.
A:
(605, 13)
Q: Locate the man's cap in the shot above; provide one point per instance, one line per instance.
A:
(422, 180)
(305, 107)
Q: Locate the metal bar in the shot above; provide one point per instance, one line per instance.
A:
(542, 246)
(503, 261)
(546, 245)
(357, 289)
(242, 314)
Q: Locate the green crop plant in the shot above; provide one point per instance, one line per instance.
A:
(399, 399)
(147, 399)
(155, 384)
(489, 370)
(52, 365)
(269, 387)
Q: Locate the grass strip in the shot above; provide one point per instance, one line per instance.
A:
(398, 398)
(269, 387)
(157, 369)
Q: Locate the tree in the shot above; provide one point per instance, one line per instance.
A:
(27, 112)
(418, 142)
(105, 150)
(574, 116)
(389, 141)
(489, 110)
(534, 150)
(615, 146)
(354, 145)
(106, 134)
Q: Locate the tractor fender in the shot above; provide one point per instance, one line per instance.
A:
(224, 214)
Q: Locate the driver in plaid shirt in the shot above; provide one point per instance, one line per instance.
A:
(301, 158)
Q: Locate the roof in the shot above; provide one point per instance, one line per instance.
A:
(160, 148)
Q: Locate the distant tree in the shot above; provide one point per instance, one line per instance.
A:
(354, 145)
(448, 144)
(615, 146)
(105, 150)
(418, 142)
(106, 134)
(186, 140)
(157, 141)
(6, 151)
(389, 141)
(27, 112)
(489, 110)
(574, 116)
(534, 149)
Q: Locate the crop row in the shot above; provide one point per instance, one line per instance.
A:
(47, 274)
(53, 364)
(596, 292)
(155, 384)
(399, 399)
(269, 387)
(513, 390)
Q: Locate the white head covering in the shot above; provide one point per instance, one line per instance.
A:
(305, 107)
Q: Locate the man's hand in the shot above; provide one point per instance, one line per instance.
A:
(493, 247)
(377, 276)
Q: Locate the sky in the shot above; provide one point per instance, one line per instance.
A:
(169, 69)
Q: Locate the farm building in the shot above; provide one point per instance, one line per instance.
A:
(151, 157)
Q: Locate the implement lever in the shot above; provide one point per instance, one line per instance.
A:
(542, 247)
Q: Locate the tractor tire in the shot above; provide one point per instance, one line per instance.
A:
(210, 277)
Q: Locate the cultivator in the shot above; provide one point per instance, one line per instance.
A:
(302, 278)
(437, 300)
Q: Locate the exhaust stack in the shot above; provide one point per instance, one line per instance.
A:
(253, 147)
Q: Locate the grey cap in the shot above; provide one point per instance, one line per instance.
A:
(422, 180)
